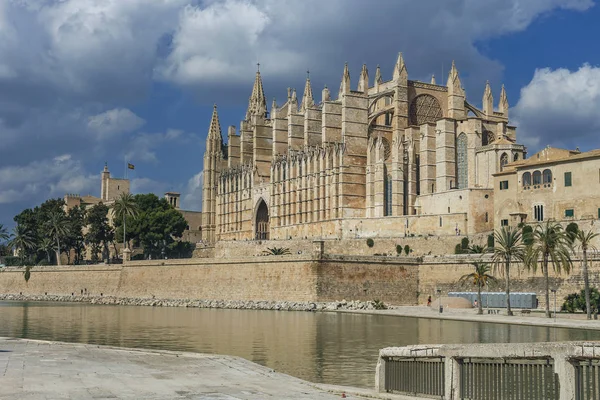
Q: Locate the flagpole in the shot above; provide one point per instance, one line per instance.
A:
(125, 161)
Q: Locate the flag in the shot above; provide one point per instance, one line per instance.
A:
(130, 166)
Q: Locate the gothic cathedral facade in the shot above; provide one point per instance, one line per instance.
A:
(389, 159)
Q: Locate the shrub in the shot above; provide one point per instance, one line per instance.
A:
(527, 233)
(458, 249)
(399, 249)
(576, 301)
(370, 242)
(490, 241)
(572, 230)
(407, 249)
(464, 243)
(276, 251)
(11, 261)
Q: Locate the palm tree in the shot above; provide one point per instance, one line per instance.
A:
(58, 226)
(480, 277)
(22, 240)
(508, 248)
(3, 234)
(276, 251)
(550, 243)
(125, 206)
(585, 239)
(46, 246)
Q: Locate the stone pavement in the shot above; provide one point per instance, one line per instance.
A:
(31, 369)
(470, 314)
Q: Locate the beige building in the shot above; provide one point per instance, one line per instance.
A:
(554, 184)
(391, 158)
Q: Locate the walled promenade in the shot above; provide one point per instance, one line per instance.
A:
(36, 370)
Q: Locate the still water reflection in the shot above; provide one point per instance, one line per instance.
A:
(320, 347)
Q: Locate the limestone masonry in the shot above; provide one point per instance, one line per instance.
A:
(391, 158)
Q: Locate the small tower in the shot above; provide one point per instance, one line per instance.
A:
(173, 199)
(257, 104)
(488, 100)
(363, 82)
(503, 106)
(307, 99)
(456, 95)
(400, 72)
(345, 84)
(105, 176)
(213, 156)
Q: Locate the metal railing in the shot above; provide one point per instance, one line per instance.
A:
(506, 379)
(587, 379)
(420, 376)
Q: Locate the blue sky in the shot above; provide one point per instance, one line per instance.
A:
(83, 82)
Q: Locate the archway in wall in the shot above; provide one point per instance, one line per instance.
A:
(262, 221)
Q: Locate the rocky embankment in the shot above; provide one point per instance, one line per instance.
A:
(228, 304)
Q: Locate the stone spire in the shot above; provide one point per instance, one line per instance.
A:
(257, 105)
(503, 106)
(454, 85)
(378, 79)
(345, 85)
(488, 100)
(400, 71)
(307, 99)
(363, 82)
(433, 80)
(274, 105)
(214, 131)
(325, 94)
(456, 95)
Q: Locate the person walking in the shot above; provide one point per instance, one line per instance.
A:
(429, 301)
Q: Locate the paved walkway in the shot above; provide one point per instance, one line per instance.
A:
(31, 369)
(535, 318)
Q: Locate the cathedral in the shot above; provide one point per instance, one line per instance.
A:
(390, 158)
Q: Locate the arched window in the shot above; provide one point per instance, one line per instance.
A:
(462, 161)
(537, 178)
(503, 161)
(527, 179)
(387, 196)
(547, 176)
(425, 108)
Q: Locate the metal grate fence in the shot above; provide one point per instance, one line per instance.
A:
(415, 376)
(508, 379)
(587, 379)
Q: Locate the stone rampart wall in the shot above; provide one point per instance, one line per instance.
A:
(300, 278)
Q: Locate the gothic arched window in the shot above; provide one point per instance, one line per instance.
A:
(527, 179)
(425, 108)
(387, 196)
(503, 161)
(462, 161)
(537, 178)
(547, 176)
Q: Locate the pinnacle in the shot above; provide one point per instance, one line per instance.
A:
(215, 126)
(257, 105)
(307, 99)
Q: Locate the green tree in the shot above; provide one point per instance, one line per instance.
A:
(75, 240)
(550, 243)
(156, 226)
(100, 233)
(4, 235)
(22, 240)
(125, 206)
(58, 228)
(480, 278)
(585, 243)
(47, 246)
(527, 232)
(508, 248)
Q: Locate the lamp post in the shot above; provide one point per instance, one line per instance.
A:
(554, 291)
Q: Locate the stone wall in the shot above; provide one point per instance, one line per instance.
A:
(296, 278)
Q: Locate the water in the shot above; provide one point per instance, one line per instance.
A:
(334, 348)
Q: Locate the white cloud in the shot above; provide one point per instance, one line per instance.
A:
(147, 185)
(115, 121)
(39, 180)
(560, 108)
(192, 196)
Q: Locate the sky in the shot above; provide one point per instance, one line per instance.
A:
(84, 82)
